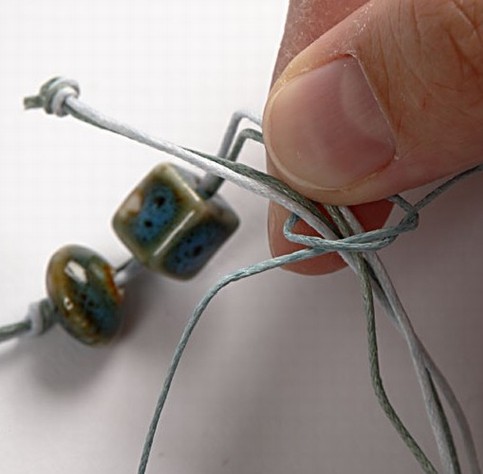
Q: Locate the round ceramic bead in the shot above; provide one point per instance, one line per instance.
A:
(81, 286)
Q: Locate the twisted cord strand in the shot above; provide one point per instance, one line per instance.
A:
(437, 417)
(393, 308)
(438, 377)
(378, 386)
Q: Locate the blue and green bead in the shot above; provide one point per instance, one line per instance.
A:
(87, 301)
(169, 226)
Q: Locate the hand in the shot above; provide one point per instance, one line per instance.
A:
(386, 96)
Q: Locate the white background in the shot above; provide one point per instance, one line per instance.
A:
(276, 378)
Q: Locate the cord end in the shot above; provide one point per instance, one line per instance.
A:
(33, 102)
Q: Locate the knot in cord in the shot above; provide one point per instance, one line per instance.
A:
(52, 96)
(40, 317)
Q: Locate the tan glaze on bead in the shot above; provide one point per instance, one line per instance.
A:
(169, 226)
(81, 286)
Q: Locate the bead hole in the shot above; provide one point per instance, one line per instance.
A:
(159, 201)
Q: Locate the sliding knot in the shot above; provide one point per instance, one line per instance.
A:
(368, 241)
(52, 96)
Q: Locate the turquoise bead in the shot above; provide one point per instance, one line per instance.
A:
(169, 226)
(81, 286)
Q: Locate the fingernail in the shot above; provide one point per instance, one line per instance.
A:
(324, 129)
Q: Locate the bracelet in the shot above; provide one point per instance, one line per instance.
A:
(173, 222)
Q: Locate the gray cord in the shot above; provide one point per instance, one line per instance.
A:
(437, 418)
(39, 319)
(14, 330)
(128, 271)
(210, 184)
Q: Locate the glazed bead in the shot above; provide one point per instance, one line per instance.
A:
(81, 286)
(169, 226)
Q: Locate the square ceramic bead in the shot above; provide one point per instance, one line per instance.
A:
(169, 226)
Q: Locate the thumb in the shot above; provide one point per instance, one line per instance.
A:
(389, 99)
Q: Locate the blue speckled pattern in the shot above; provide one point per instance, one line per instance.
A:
(158, 210)
(81, 287)
(97, 304)
(195, 248)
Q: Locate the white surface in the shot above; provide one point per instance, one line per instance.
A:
(275, 379)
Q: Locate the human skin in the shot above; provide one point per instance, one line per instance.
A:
(416, 88)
